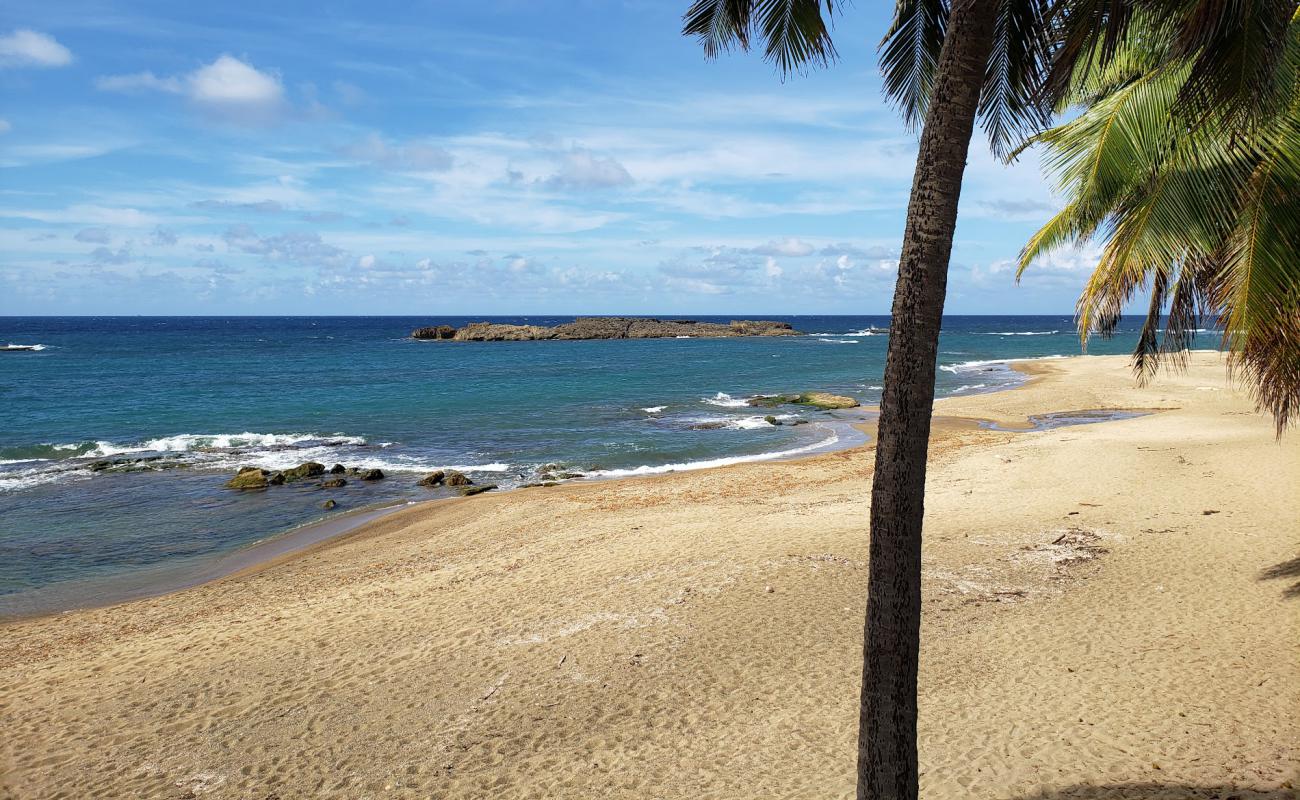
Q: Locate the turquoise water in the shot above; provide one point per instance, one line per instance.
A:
(212, 394)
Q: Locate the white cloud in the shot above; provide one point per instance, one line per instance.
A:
(231, 82)
(785, 247)
(139, 82)
(28, 48)
(772, 269)
(234, 89)
(579, 169)
(5, 127)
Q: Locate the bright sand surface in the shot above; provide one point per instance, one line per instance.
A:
(1096, 625)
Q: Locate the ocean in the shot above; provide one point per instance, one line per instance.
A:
(201, 397)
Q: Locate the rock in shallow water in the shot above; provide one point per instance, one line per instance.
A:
(822, 400)
(328, 504)
(454, 478)
(249, 478)
(309, 469)
(371, 474)
(333, 483)
(469, 491)
(434, 478)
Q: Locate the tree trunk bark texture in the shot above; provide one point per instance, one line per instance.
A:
(887, 757)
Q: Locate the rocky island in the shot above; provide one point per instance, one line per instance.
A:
(606, 328)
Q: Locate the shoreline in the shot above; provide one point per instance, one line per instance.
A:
(1101, 621)
(277, 548)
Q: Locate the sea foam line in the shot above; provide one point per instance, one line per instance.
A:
(647, 469)
(966, 366)
(725, 400)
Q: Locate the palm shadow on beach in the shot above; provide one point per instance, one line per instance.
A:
(1158, 791)
(1287, 569)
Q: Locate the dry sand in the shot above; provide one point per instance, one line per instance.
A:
(1095, 626)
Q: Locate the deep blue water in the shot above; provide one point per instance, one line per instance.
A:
(216, 393)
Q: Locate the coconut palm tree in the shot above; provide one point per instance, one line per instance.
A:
(1194, 192)
(947, 63)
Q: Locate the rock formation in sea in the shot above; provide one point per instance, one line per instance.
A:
(822, 400)
(606, 328)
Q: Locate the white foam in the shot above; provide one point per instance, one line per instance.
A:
(738, 423)
(712, 462)
(30, 478)
(725, 400)
(838, 341)
(12, 346)
(1018, 333)
(653, 409)
(967, 366)
(199, 442)
(969, 387)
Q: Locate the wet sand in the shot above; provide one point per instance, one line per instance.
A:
(1097, 624)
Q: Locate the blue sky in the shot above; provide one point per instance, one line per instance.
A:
(466, 158)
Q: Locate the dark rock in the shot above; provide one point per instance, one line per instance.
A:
(371, 475)
(333, 483)
(712, 425)
(100, 466)
(771, 420)
(338, 469)
(470, 491)
(434, 478)
(800, 422)
(277, 479)
(308, 469)
(822, 400)
(454, 478)
(434, 332)
(328, 504)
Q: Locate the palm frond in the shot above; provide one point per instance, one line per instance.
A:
(909, 53)
(1011, 102)
(795, 33)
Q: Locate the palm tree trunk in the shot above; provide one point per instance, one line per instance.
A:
(887, 762)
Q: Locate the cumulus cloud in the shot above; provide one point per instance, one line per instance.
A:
(306, 249)
(1064, 266)
(772, 269)
(231, 82)
(413, 156)
(580, 169)
(228, 87)
(28, 48)
(93, 236)
(104, 255)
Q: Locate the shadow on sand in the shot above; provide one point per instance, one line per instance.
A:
(1287, 569)
(1158, 791)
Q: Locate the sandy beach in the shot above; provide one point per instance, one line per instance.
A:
(1099, 622)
